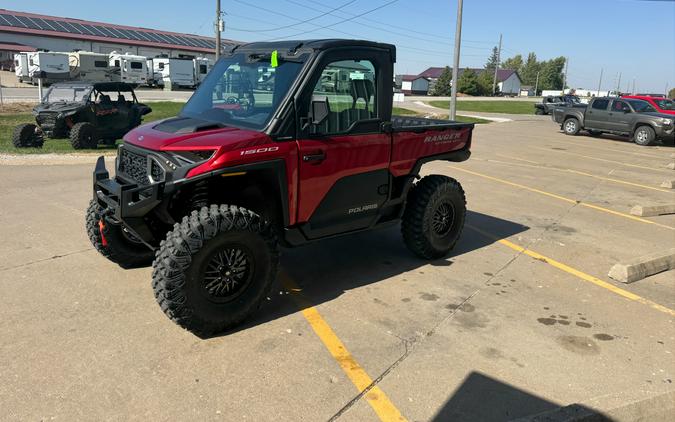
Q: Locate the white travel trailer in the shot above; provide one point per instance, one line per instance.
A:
(176, 72)
(90, 67)
(50, 67)
(129, 68)
(202, 66)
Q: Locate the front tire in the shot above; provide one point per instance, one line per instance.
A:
(571, 126)
(434, 216)
(215, 268)
(645, 136)
(83, 136)
(113, 242)
(26, 136)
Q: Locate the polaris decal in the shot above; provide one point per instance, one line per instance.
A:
(363, 208)
(443, 139)
(259, 150)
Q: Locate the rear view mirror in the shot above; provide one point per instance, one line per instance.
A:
(319, 109)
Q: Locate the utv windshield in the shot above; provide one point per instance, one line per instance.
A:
(68, 94)
(242, 90)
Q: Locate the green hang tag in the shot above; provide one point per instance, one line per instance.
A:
(275, 58)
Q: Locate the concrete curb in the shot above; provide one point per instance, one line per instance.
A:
(668, 184)
(650, 211)
(644, 266)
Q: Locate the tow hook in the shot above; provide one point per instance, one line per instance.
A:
(101, 226)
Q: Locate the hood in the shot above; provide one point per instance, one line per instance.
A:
(184, 133)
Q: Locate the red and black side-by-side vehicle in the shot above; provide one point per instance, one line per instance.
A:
(284, 143)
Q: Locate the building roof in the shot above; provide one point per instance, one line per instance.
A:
(11, 46)
(432, 72)
(410, 78)
(35, 24)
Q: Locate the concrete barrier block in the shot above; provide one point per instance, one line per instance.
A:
(650, 211)
(644, 266)
(668, 184)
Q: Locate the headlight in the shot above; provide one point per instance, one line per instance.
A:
(667, 122)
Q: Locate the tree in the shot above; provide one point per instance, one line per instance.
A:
(468, 84)
(551, 73)
(671, 93)
(443, 86)
(485, 81)
(493, 60)
(513, 63)
(529, 70)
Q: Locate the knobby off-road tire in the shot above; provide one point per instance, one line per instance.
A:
(215, 268)
(25, 136)
(644, 135)
(83, 136)
(434, 216)
(571, 126)
(113, 242)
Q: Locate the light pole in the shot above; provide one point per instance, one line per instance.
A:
(600, 82)
(219, 29)
(455, 66)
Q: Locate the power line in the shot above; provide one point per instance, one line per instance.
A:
(330, 12)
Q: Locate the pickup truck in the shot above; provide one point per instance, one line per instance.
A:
(213, 193)
(548, 104)
(619, 116)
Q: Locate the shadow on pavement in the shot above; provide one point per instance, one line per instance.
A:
(326, 269)
(482, 398)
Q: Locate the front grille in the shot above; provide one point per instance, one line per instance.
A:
(133, 166)
(46, 119)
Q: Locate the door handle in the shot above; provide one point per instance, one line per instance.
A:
(320, 156)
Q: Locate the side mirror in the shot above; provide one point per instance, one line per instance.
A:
(318, 110)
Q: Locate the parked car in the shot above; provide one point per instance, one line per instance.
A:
(549, 103)
(85, 112)
(661, 104)
(211, 194)
(619, 116)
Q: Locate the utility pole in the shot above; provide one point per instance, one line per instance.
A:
(600, 83)
(633, 87)
(618, 84)
(499, 55)
(3, 103)
(567, 63)
(219, 28)
(455, 67)
(536, 85)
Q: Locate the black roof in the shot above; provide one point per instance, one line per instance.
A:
(100, 86)
(314, 45)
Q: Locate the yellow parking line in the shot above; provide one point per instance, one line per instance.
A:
(602, 159)
(579, 274)
(609, 179)
(379, 401)
(562, 198)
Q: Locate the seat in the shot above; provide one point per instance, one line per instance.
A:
(121, 100)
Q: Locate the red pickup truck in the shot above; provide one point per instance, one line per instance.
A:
(661, 104)
(284, 143)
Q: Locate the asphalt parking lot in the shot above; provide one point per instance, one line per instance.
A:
(520, 320)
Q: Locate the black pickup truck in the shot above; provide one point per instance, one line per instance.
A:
(549, 103)
(626, 117)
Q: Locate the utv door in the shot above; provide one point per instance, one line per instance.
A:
(112, 115)
(343, 162)
(620, 116)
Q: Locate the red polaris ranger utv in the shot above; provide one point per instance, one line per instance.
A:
(284, 143)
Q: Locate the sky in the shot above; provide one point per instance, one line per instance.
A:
(634, 38)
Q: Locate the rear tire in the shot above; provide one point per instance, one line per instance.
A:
(571, 126)
(113, 242)
(26, 136)
(83, 136)
(644, 135)
(434, 216)
(215, 268)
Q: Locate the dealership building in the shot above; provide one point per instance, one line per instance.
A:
(20, 31)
